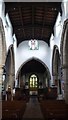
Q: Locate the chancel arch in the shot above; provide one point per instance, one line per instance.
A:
(33, 66)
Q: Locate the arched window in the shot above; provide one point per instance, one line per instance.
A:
(33, 81)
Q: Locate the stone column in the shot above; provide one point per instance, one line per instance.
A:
(56, 83)
(11, 79)
(65, 78)
(1, 73)
(55, 80)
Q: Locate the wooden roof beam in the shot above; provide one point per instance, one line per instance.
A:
(43, 21)
(33, 21)
(20, 11)
(36, 25)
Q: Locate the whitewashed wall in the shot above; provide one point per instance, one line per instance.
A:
(7, 25)
(22, 53)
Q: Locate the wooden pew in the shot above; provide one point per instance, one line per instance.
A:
(54, 109)
(13, 110)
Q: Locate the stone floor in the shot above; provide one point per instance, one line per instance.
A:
(33, 111)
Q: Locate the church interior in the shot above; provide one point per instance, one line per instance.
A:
(34, 60)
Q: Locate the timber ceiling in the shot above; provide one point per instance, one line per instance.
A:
(33, 20)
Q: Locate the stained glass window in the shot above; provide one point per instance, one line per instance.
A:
(33, 81)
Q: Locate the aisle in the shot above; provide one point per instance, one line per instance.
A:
(33, 110)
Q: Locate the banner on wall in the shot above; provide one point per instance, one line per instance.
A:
(33, 44)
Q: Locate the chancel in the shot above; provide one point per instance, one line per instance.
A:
(34, 60)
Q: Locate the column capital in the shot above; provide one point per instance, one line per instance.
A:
(1, 66)
(11, 74)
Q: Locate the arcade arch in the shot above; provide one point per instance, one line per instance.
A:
(64, 58)
(56, 68)
(2, 52)
(9, 69)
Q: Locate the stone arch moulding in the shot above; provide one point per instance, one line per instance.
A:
(36, 60)
(55, 51)
(63, 42)
(56, 65)
(11, 52)
(64, 58)
(2, 44)
(11, 70)
(2, 53)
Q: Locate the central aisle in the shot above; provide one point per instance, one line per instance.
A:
(33, 109)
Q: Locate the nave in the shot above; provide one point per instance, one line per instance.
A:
(34, 109)
(34, 57)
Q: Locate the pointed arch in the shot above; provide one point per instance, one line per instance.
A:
(64, 58)
(2, 52)
(56, 64)
(55, 58)
(34, 58)
(64, 44)
(10, 68)
(2, 44)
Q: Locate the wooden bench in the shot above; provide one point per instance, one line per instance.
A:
(54, 109)
(13, 110)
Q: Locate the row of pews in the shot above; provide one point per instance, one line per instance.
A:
(14, 107)
(13, 110)
(54, 109)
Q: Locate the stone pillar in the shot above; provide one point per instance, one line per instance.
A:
(55, 80)
(11, 80)
(56, 83)
(65, 78)
(20, 80)
(10, 83)
(1, 73)
(12, 69)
